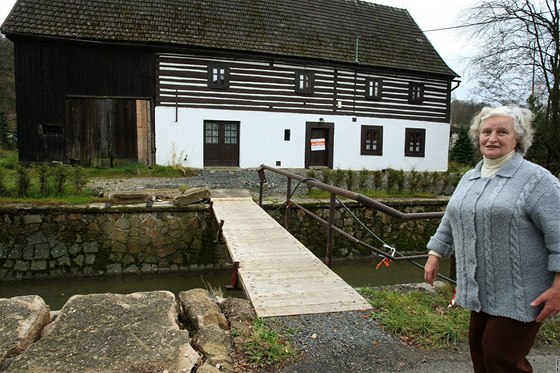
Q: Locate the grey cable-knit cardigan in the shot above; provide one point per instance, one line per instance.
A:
(505, 231)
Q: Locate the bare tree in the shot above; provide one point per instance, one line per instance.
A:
(462, 112)
(519, 47)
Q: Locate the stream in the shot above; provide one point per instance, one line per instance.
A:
(55, 292)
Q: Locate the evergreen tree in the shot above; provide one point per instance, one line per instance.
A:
(463, 150)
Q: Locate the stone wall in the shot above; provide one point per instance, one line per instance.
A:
(405, 236)
(62, 241)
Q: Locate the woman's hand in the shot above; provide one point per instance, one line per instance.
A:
(550, 298)
(431, 269)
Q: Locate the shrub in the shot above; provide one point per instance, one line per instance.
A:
(311, 174)
(79, 179)
(392, 179)
(23, 181)
(377, 179)
(338, 176)
(60, 176)
(400, 180)
(43, 173)
(363, 176)
(326, 175)
(350, 179)
(414, 179)
(426, 182)
(3, 188)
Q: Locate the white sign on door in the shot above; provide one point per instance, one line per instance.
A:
(318, 144)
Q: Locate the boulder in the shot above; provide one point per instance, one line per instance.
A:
(215, 344)
(23, 318)
(211, 330)
(201, 309)
(113, 333)
(193, 195)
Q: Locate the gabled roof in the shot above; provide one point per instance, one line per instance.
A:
(318, 29)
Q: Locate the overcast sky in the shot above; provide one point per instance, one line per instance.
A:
(429, 15)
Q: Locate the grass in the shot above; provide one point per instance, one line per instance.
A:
(424, 320)
(45, 185)
(265, 348)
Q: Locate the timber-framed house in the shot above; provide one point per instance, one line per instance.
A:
(293, 83)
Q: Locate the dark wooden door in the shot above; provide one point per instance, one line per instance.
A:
(221, 143)
(319, 144)
(102, 131)
(319, 154)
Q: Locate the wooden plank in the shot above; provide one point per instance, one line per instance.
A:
(279, 275)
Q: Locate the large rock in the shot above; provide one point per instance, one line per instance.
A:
(193, 195)
(211, 337)
(216, 345)
(201, 310)
(113, 333)
(23, 318)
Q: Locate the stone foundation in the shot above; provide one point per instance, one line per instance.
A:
(57, 242)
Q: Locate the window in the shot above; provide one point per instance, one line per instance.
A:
(230, 133)
(287, 135)
(415, 139)
(211, 132)
(304, 82)
(372, 140)
(374, 88)
(415, 93)
(218, 76)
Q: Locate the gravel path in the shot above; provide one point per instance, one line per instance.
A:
(213, 179)
(353, 342)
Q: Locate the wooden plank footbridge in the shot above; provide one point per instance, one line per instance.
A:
(279, 275)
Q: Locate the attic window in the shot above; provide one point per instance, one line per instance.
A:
(304, 82)
(415, 93)
(374, 88)
(218, 76)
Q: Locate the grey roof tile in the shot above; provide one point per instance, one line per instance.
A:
(316, 29)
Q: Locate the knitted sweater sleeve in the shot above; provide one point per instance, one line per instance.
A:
(442, 241)
(544, 209)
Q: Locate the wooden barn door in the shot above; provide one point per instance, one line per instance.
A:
(319, 140)
(105, 131)
(221, 143)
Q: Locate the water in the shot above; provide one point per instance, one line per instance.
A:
(56, 292)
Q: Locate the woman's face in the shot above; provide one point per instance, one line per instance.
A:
(497, 137)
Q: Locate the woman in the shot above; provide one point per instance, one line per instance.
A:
(503, 222)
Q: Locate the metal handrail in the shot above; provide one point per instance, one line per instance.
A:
(366, 201)
(360, 198)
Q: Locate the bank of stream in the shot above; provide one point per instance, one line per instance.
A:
(55, 292)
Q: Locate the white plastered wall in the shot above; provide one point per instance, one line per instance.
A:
(262, 140)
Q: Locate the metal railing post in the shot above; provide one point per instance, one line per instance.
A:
(288, 201)
(262, 179)
(330, 231)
